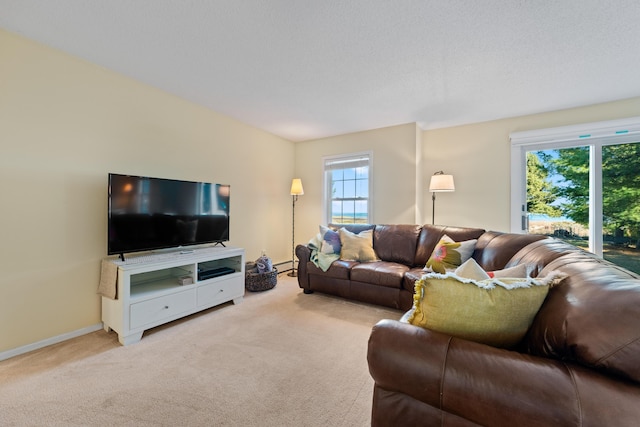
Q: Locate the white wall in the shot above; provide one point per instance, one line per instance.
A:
(66, 123)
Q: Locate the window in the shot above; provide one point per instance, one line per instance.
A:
(581, 184)
(347, 188)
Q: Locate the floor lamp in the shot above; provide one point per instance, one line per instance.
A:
(440, 183)
(296, 190)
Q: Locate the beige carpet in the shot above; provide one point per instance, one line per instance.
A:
(281, 358)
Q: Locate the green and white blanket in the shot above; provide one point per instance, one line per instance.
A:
(321, 260)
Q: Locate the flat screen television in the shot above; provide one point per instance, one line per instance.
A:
(154, 213)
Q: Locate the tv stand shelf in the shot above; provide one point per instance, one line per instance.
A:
(159, 288)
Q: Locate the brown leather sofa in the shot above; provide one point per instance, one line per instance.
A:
(578, 365)
(403, 251)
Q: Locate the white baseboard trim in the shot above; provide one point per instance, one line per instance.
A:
(283, 266)
(49, 341)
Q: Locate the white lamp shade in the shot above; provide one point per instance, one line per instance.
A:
(441, 183)
(296, 187)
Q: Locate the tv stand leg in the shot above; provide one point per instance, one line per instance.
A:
(130, 339)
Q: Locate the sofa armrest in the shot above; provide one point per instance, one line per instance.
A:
(407, 359)
(304, 256)
(465, 378)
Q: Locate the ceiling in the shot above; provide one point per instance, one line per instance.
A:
(307, 69)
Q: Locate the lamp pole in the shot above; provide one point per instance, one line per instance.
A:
(433, 208)
(293, 237)
(296, 190)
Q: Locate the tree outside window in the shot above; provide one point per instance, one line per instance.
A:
(559, 191)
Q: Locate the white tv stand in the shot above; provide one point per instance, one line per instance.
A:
(150, 293)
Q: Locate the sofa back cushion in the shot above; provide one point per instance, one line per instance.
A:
(541, 253)
(495, 249)
(354, 228)
(592, 317)
(430, 235)
(396, 243)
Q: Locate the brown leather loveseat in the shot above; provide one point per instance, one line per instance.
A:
(578, 365)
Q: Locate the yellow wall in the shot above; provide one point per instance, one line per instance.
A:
(394, 175)
(66, 123)
(478, 155)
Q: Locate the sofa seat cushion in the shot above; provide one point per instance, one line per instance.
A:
(382, 273)
(411, 277)
(339, 269)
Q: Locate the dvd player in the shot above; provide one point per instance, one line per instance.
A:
(209, 273)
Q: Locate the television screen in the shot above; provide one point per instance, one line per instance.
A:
(153, 213)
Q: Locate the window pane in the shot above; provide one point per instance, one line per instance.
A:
(337, 174)
(350, 173)
(362, 188)
(336, 190)
(620, 208)
(558, 194)
(362, 173)
(349, 189)
(336, 212)
(361, 209)
(348, 211)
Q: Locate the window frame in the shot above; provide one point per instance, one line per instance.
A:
(326, 196)
(594, 135)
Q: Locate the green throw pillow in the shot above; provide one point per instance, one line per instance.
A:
(496, 312)
(449, 254)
